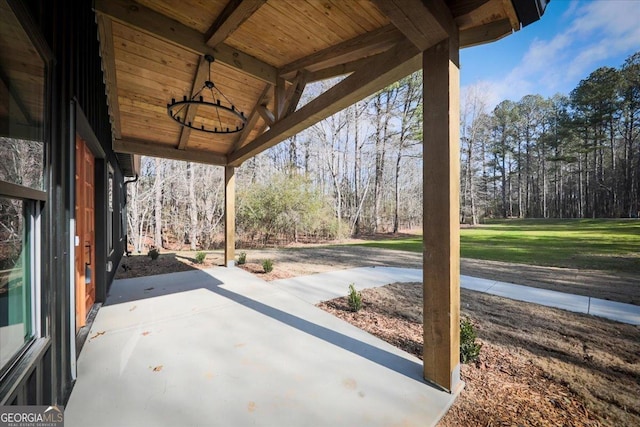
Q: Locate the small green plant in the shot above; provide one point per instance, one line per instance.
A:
(354, 299)
(267, 265)
(153, 253)
(242, 258)
(200, 256)
(469, 348)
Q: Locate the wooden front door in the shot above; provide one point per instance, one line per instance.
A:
(85, 232)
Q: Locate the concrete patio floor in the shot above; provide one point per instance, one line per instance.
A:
(223, 347)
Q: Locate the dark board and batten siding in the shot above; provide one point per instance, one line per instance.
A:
(77, 103)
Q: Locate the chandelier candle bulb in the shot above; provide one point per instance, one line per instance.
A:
(195, 112)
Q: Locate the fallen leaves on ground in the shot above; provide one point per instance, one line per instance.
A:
(98, 334)
(538, 365)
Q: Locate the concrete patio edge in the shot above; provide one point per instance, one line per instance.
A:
(325, 286)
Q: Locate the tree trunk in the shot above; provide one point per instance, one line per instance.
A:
(193, 207)
(158, 184)
(396, 207)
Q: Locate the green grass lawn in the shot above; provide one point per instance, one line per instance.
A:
(602, 244)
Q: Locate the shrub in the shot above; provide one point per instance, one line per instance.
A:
(200, 256)
(242, 258)
(267, 265)
(469, 348)
(153, 253)
(285, 207)
(354, 299)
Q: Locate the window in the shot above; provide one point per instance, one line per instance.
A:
(22, 128)
(16, 323)
(110, 211)
(22, 84)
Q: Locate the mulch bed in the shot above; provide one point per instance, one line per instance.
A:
(507, 386)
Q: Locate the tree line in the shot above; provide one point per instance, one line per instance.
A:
(568, 156)
(360, 170)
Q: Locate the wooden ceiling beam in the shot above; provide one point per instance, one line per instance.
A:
(374, 74)
(294, 93)
(233, 15)
(147, 148)
(485, 33)
(190, 114)
(367, 44)
(254, 116)
(336, 70)
(266, 115)
(464, 7)
(423, 22)
(162, 27)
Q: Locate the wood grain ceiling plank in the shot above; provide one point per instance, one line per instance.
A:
(330, 23)
(356, 48)
(365, 11)
(233, 15)
(132, 105)
(161, 118)
(202, 73)
(165, 28)
(129, 63)
(165, 137)
(349, 18)
(134, 83)
(373, 75)
(196, 14)
(133, 40)
(154, 57)
(207, 147)
(151, 126)
(277, 34)
(208, 142)
(229, 76)
(288, 22)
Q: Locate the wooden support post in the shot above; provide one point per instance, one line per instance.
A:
(441, 224)
(229, 216)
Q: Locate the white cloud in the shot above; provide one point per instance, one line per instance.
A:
(595, 31)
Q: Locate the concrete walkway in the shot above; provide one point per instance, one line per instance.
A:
(224, 348)
(326, 286)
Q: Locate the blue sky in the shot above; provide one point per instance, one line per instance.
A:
(573, 38)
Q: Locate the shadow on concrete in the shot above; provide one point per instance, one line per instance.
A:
(128, 290)
(372, 353)
(139, 288)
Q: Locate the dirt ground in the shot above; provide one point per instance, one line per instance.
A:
(538, 365)
(297, 261)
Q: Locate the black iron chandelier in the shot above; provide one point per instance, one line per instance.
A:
(221, 118)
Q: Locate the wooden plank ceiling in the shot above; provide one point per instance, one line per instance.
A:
(265, 52)
(22, 78)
